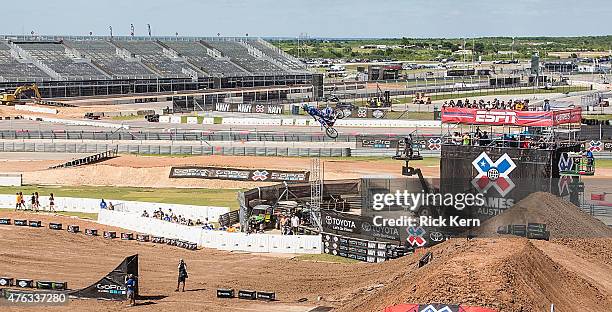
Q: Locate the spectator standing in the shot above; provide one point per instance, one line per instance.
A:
(182, 274)
(33, 202)
(51, 202)
(295, 223)
(37, 201)
(466, 139)
(130, 284)
(23, 203)
(17, 201)
(102, 204)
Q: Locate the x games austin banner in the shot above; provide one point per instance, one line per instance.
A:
(511, 117)
(238, 174)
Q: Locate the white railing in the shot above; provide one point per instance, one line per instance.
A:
(92, 205)
(260, 243)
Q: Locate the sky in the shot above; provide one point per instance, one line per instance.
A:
(317, 18)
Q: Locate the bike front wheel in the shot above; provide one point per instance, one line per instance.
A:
(331, 132)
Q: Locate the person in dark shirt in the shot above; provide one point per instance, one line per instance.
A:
(182, 274)
(130, 285)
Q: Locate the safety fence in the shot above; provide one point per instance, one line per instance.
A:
(475, 89)
(191, 135)
(598, 132)
(92, 205)
(260, 243)
(152, 149)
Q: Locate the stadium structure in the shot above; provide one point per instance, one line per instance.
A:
(67, 66)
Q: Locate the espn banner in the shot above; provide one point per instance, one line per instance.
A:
(509, 117)
(238, 174)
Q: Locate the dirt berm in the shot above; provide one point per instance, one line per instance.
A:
(562, 218)
(508, 273)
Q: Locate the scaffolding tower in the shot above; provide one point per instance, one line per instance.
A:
(316, 193)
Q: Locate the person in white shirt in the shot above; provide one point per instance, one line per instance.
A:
(295, 222)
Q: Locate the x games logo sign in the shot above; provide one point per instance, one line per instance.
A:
(493, 174)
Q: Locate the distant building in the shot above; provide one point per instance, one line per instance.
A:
(386, 72)
(463, 52)
(374, 46)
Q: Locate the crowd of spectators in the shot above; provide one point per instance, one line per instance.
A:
(483, 138)
(288, 225)
(23, 202)
(519, 105)
(170, 216)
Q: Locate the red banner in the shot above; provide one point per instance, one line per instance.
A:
(501, 117)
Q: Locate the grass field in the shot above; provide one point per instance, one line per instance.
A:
(597, 116)
(202, 197)
(82, 215)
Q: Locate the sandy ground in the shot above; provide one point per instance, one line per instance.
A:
(505, 273)
(153, 171)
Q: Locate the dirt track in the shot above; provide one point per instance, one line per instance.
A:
(151, 171)
(505, 273)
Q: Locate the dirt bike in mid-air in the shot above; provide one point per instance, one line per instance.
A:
(326, 117)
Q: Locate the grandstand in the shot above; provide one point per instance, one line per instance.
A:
(277, 54)
(104, 55)
(12, 69)
(239, 53)
(55, 59)
(92, 66)
(154, 57)
(205, 59)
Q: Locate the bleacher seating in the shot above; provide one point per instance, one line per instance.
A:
(196, 53)
(153, 56)
(53, 55)
(100, 58)
(241, 56)
(104, 55)
(273, 53)
(11, 69)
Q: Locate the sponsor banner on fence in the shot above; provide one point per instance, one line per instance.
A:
(249, 108)
(433, 143)
(510, 117)
(357, 225)
(238, 174)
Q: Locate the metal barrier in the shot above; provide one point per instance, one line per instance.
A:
(173, 136)
(172, 149)
(88, 159)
